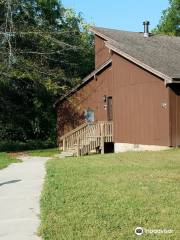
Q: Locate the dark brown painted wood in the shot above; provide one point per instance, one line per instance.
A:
(174, 94)
(141, 103)
(102, 53)
(139, 115)
(70, 113)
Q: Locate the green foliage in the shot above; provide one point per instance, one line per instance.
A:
(45, 50)
(170, 20)
(26, 110)
(16, 146)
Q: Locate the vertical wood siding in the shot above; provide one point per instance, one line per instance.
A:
(138, 97)
(101, 52)
(139, 117)
(70, 113)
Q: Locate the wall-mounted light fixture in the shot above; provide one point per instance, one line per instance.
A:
(164, 105)
(105, 102)
(105, 98)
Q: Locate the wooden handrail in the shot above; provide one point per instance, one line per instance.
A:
(73, 131)
(88, 137)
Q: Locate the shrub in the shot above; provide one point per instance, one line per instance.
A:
(10, 146)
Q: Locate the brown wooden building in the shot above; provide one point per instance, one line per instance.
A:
(134, 91)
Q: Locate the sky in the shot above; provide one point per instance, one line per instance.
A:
(119, 14)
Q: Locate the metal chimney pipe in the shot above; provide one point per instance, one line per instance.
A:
(146, 28)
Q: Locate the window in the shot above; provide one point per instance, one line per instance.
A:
(89, 115)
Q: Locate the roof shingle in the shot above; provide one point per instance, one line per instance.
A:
(159, 52)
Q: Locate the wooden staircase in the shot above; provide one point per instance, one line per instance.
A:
(87, 138)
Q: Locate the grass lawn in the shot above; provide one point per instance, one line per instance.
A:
(44, 152)
(6, 159)
(105, 197)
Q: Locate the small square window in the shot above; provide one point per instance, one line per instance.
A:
(89, 115)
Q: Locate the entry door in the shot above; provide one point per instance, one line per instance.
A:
(109, 109)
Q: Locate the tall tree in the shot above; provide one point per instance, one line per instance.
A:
(45, 50)
(170, 19)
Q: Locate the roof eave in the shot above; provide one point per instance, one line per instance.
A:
(176, 80)
(166, 78)
(84, 81)
(100, 34)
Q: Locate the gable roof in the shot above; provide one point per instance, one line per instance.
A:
(86, 80)
(158, 53)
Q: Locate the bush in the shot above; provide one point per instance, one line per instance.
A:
(10, 146)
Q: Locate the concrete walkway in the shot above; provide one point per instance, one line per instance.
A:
(20, 189)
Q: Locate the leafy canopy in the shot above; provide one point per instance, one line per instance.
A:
(170, 19)
(45, 50)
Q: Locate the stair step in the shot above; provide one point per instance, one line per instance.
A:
(72, 151)
(66, 154)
